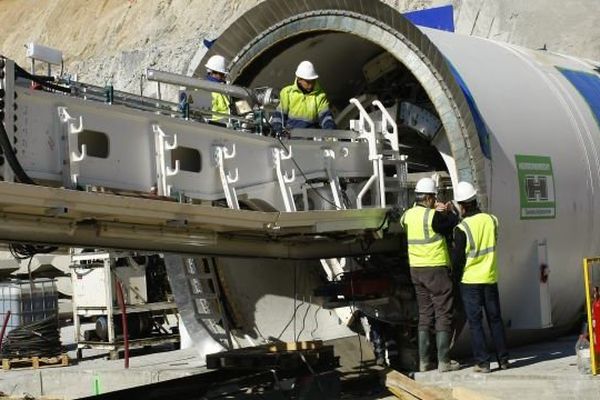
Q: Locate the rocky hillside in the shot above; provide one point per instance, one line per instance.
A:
(114, 40)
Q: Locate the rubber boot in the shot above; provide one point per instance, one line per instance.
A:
(445, 364)
(424, 351)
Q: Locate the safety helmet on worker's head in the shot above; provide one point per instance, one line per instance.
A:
(306, 70)
(426, 186)
(464, 192)
(217, 64)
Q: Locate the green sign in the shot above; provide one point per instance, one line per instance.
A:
(536, 187)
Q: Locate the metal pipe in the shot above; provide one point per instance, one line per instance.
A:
(202, 84)
(121, 301)
(6, 318)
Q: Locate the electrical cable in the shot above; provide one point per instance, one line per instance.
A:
(38, 338)
(14, 163)
(301, 170)
(41, 80)
(303, 321)
(22, 251)
(306, 178)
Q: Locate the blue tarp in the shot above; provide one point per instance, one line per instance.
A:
(588, 85)
(480, 125)
(441, 18)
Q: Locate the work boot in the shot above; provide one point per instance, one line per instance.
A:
(483, 368)
(445, 364)
(424, 351)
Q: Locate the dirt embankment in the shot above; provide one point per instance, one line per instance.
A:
(115, 40)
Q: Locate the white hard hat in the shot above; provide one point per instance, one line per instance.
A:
(464, 192)
(306, 70)
(216, 63)
(426, 186)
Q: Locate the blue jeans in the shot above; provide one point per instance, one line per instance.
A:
(475, 298)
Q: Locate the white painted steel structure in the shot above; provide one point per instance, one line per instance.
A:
(504, 118)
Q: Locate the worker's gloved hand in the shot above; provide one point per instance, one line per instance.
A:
(440, 207)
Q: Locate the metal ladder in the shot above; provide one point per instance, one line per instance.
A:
(208, 303)
(373, 132)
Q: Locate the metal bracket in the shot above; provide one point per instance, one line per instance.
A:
(71, 151)
(285, 178)
(366, 130)
(386, 122)
(164, 144)
(222, 153)
(334, 181)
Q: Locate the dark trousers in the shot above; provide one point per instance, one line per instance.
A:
(433, 288)
(475, 298)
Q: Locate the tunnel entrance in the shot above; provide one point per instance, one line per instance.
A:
(350, 66)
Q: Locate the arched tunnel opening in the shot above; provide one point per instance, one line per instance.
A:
(367, 54)
(353, 67)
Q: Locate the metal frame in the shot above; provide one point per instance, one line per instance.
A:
(107, 260)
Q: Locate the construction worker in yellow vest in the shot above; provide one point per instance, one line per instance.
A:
(303, 104)
(426, 225)
(216, 71)
(475, 261)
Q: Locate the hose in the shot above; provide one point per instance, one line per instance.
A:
(36, 339)
(41, 80)
(14, 163)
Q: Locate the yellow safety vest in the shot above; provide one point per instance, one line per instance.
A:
(481, 264)
(426, 248)
(220, 104)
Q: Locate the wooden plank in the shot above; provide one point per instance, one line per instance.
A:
(462, 393)
(401, 394)
(295, 346)
(394, 379)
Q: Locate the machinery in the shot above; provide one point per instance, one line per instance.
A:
(99, 279)
(279, 218)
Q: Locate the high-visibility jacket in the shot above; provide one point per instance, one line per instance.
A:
(220, 104)
(426, 248)
(481, 264)
(297, 109)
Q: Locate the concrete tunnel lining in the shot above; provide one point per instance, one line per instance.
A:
(272, 24)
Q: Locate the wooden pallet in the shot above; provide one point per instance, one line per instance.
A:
(35, 362)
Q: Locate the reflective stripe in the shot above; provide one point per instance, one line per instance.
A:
(426, 223)
(426, 248)
(433, 239)
(481, 262)
(327, 118)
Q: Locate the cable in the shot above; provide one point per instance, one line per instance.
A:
(41, 80)
(14, 163)
(300, 169)
(306, 179)
(39, 338)
(21, 251)
(303, 320)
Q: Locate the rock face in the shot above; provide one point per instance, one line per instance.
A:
(115, 40)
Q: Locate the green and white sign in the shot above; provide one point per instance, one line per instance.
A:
(536, 187)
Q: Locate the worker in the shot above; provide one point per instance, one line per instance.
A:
(303, 104)
(216, 71)
(475, 261)
(425, 225)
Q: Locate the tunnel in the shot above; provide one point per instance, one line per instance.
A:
(365, 50)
